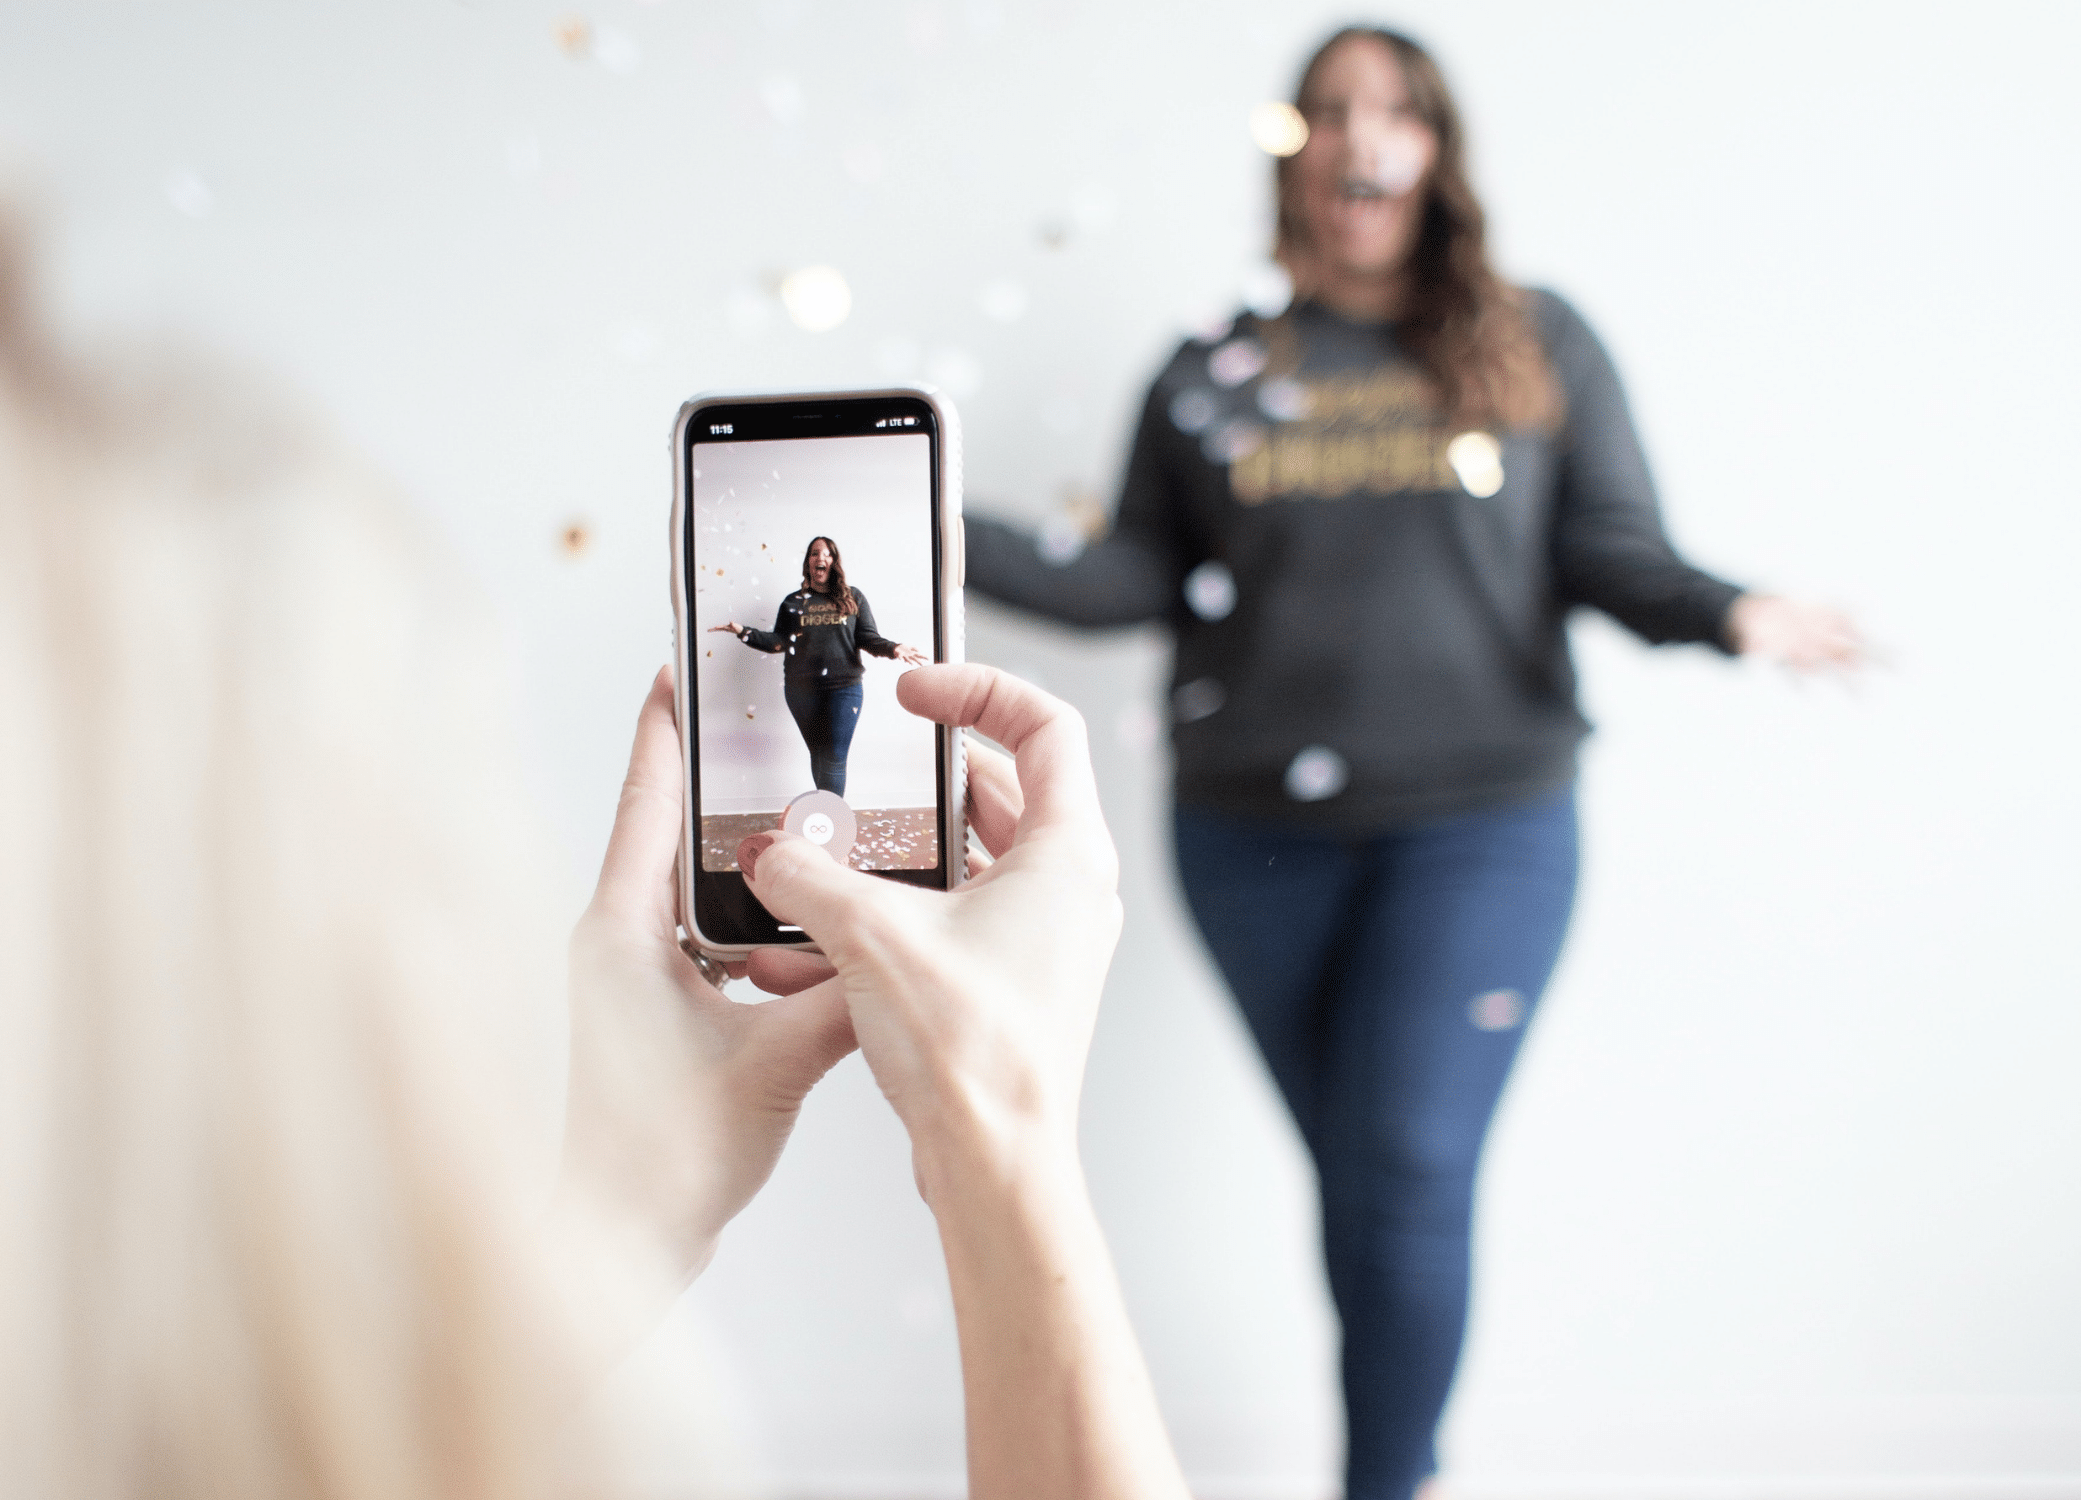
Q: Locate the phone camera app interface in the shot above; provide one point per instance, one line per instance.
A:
(811, 575)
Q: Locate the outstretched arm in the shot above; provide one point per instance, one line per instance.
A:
(1610, 549)
(769, 641)
(975, 1010)
(1126, 576)
(868, 637)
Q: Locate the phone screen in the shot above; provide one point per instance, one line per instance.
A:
(812, 571)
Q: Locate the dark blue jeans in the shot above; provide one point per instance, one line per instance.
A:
(827, 717)
(1388, 981)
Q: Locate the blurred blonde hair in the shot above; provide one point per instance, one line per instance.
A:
(276, 1093)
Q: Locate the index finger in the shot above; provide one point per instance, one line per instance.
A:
(1045, 736)
(636, 874)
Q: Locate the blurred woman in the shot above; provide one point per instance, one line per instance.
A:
(285, 1209)
(1367, 520)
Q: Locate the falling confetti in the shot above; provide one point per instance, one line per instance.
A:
(1201, 698)
(1498, 1010)
(782, 96)
(1137, 727)
(955, 371)
(1060, 542)
(616, 51)
(575, 539)
(1284, 399)
(1268, 289)
(1278, 128)
(1004, 301)
(816, 297)
(1233, 441)
(1477, 459)
(1236, 361)
(1316, 774)
(573, 36)
(1210, 591)
(1192, 411)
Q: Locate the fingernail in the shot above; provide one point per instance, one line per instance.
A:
(749, 851)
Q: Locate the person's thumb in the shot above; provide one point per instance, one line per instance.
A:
(803, 1036)
(802, 885)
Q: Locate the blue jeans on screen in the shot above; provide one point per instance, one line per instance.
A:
(827, 717)
(1388, 980)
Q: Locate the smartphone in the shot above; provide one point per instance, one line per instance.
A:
(816, 555)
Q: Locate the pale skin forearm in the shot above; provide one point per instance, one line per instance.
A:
(1059, 1403)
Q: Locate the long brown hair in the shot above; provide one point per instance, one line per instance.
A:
(1469, 329)
(840, 593)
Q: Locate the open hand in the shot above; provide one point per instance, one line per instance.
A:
(1796, 633)
(911, 656)
(680, 1099)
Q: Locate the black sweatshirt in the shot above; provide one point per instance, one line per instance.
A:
(1369, 616)
(823, 646)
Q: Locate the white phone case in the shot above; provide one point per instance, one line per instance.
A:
(953, 829)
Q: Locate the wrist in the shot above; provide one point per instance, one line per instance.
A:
(971, 1156)
(1737, 629)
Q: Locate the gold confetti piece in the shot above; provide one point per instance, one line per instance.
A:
(575, 538)
(574, 37)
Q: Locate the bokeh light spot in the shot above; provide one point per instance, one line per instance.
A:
(954, 371)
(782, 96)
(573, 36)
(1192, 411)
(1210, 590)
(1003, 300)
(816, 297)
(1284, 399)
(1268, 289)
(1498, 1010)
(1236, 361)
(616, 51)
(1316, 774)
(1138, 727)
(1233, 441)
(1198, 699)
(1478, 460)
(1278, 128)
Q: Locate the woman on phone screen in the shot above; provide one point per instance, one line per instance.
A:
(823, 627)
(1367, 519)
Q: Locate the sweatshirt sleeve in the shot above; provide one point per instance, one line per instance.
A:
(772, 640)
(865, 636)
(1609, 548)
(1130, 575)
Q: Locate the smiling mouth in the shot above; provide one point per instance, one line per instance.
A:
(1360, 188)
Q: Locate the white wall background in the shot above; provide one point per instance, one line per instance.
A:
(1784, 1200)
(756, 506)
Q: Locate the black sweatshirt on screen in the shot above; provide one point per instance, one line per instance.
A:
(1389, 597)
(823, 646)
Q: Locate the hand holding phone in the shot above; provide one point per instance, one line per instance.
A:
(975, 1009)
(836, 518)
